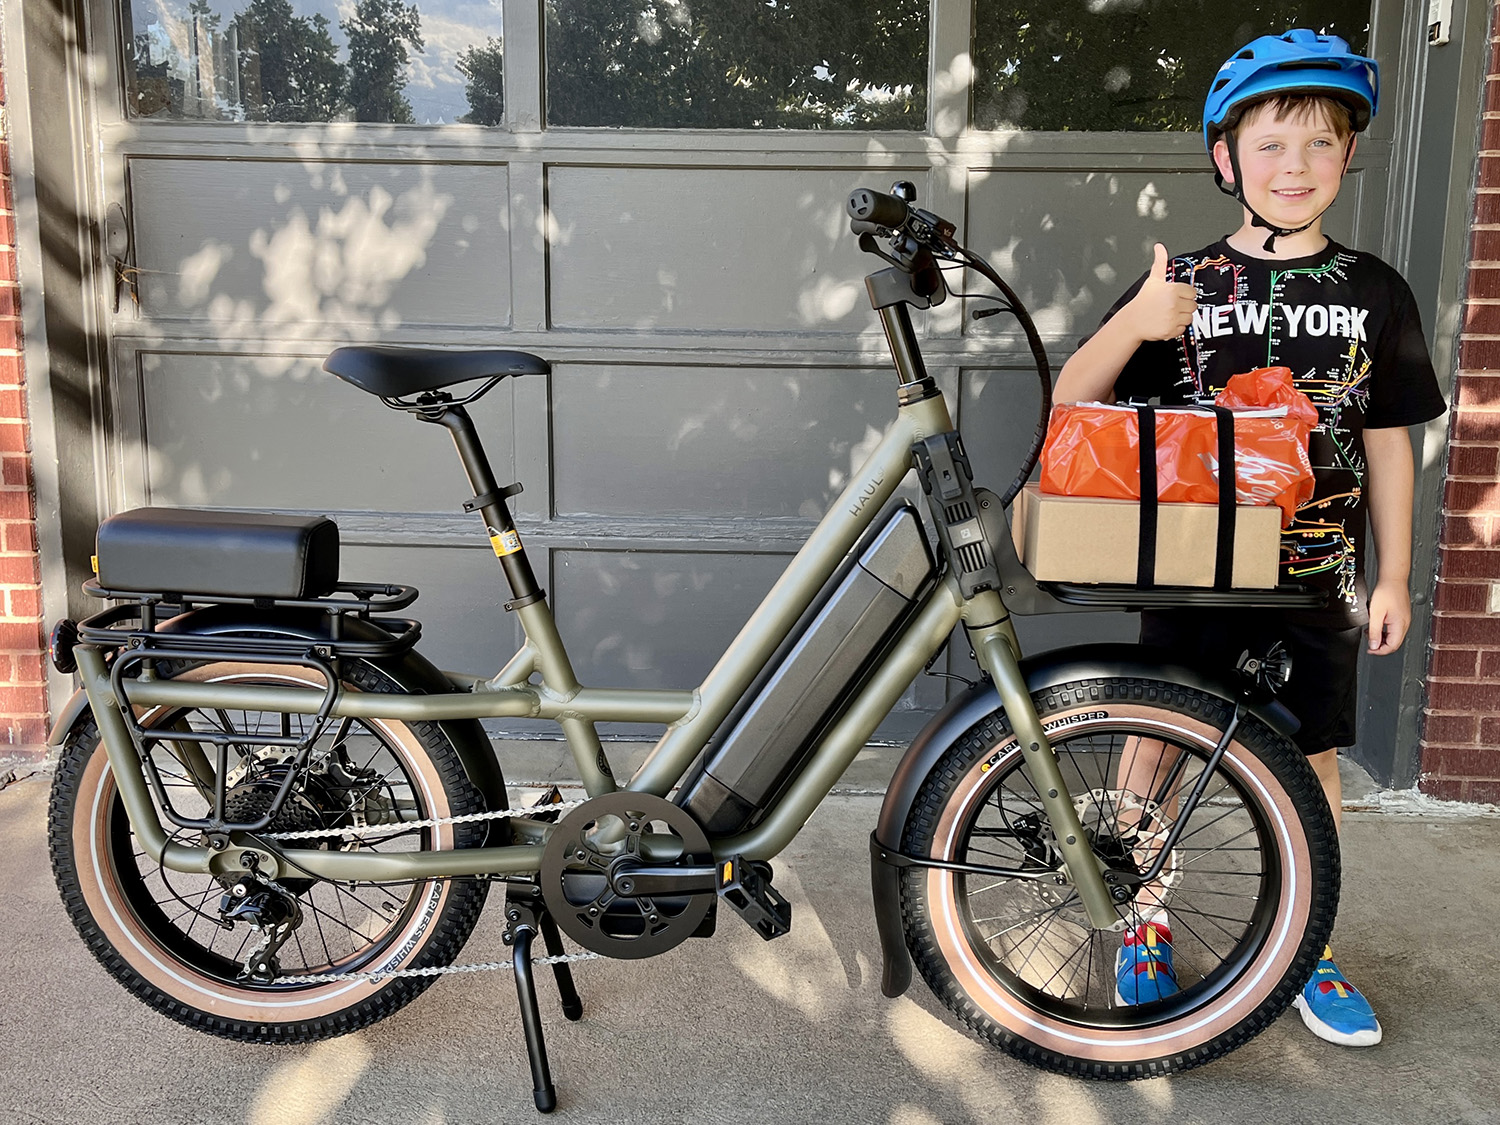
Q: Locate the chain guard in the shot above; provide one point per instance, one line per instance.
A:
(576, 864)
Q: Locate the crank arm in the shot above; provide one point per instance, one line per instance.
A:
(646, 882)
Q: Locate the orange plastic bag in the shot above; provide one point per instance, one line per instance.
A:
(1093, 449)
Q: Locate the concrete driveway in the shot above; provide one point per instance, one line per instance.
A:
(738, 1030)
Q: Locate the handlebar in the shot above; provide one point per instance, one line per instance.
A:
(866, 205)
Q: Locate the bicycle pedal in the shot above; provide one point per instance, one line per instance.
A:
(746, 886)
(538, 809)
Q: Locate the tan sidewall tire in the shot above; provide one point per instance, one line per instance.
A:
(1125, 1045)
(118, 924)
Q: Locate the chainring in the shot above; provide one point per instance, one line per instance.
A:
(607, 831)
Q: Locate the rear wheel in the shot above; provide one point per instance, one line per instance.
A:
(1250, 887)
(163, 933)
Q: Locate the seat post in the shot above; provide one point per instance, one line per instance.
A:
(489, 499)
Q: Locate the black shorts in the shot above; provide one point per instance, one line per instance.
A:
(1325, 662)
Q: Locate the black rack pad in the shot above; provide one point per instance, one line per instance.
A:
(225, 554)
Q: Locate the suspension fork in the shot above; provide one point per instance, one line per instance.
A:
(997, 650)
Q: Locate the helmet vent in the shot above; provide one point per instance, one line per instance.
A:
(1246, 54)
(1220, 84)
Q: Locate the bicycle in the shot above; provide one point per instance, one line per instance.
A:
(274, 821)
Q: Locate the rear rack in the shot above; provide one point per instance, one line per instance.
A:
(132, 631)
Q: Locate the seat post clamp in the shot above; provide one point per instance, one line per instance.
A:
(529, 599)
(493, 497)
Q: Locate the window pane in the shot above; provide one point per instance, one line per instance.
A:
(314, 60)
(738, 64)
(1125, 64)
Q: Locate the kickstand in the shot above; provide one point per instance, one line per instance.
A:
(525, 918)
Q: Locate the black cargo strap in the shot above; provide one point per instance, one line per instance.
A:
(1145, 567)
(1228, 489)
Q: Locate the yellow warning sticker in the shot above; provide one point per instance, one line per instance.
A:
(506, 542)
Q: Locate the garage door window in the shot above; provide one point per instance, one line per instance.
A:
(430, 63)
(1142, 65)
(737, 64)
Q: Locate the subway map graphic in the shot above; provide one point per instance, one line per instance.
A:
(1319, 545)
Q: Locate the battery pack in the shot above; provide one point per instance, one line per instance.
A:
(832, 649)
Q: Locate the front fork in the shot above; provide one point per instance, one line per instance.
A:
(998, 652)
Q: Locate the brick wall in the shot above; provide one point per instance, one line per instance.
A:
(23, 689)
(1461, 730)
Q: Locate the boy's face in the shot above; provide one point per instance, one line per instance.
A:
(1291, 165)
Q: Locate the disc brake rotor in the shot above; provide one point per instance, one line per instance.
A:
(1113, 818)
(609, 832)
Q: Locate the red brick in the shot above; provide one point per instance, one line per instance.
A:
(1451, 730)
(1485, 791)
(1474, 461)
(25, 603)
(18, 570)
(1444, 789)
(1442, 695)
(1471, 496)
(1484, 282)
(1451, 629)
(1461, 761)
(13, 437)
(1473, 390)
(7, 230)
(1482, 317)
(12, 371)
(1487, 207)
(1476, 425)
(1489, 132)
(28, 668)
(19, 535)
(1461, 597)
(1485, 246)
(1489, 730)
(10, 304)
(1478, 354)
(1469, 531)
(18, 700)
(15, 504)
(12, 401)
(7, 265)
(1453, 563)
(1489, 664)
(1489, 166)
(10, 333)
(17, 471)
(22, 730)
(1459, 663)
(20, 636)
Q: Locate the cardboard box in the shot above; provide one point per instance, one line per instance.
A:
(1083, 539)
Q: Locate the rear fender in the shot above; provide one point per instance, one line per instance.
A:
(1046, 670)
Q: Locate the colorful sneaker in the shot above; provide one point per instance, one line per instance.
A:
(1143, 968)
(1334, 1009)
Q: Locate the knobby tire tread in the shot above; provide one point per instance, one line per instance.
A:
(1277, 752)
(450, 931)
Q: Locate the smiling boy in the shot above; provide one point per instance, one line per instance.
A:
(1280, 124)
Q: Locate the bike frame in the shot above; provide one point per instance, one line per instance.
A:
(691, 716)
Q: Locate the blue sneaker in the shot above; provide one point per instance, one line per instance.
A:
(1334, 1009)
(1143, 968)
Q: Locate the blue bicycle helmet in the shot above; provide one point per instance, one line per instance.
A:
(1298, 62)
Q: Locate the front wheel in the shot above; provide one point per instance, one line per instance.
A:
(1249, 889)
(174, 939)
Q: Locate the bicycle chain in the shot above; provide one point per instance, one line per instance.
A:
(436, 970)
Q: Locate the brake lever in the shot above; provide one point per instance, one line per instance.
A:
(868, 244)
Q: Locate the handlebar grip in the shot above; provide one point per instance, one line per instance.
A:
(866, 205)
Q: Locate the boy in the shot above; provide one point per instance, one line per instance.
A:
(1280, 124)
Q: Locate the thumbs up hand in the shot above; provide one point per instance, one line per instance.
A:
(1163, 308)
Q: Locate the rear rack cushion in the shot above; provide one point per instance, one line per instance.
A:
(226, 554)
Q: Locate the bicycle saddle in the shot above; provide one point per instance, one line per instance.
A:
(397, 372)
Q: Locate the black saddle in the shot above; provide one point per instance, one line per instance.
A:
(398, 372)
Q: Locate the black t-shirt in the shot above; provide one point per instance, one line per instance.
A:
(1347, 326)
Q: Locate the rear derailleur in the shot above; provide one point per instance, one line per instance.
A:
(274, 912)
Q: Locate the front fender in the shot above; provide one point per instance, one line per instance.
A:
(1040, 672)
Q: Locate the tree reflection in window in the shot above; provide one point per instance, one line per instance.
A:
(738, 64)
(315, 60)
(1125, 64)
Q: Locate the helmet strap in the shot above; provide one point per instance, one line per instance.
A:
(1234, 189)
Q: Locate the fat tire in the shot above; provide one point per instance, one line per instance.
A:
(1313, 837)
(438, 945)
